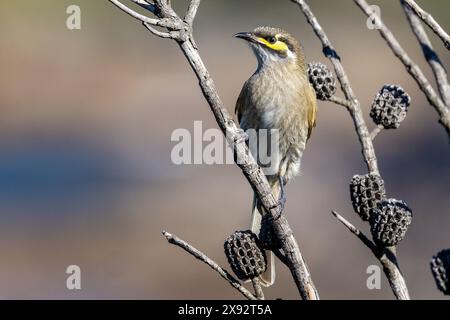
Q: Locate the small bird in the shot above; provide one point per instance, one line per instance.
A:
(278, 96)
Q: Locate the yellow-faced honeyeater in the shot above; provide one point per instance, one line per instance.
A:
(278, 96)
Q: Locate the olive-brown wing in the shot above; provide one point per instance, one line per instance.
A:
(311, 105)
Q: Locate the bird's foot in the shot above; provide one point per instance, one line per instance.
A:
(282, 198)
(240, 136)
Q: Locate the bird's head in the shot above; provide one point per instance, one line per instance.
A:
(273, 45)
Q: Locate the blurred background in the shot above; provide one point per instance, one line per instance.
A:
(86, 176)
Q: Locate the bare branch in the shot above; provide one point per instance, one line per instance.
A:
(376, 131)
(173, 239)
(253, 173)
(192, 12)
(392, 272)
(388, 260)
(133, 13)
(340, 101)
(144, 4)
(161, 34)
(412, 68)
(439, 72)
(387, 257)
(429, 20)
(164, 22)
(364, 239)
(258, 288)
(354, 107)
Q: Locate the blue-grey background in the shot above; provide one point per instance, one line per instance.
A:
(85, 171)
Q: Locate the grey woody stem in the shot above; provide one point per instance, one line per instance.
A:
(192, 11)
(391, 270)
(181, 31)
(173, 239)
(376, 131)
(429, 21)
(341, 102)
(254, 175)
(353, 107)
(439, 72)
(412, 68)
(258, 288)
(387, 257)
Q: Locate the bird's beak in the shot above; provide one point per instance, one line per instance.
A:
(248, 36)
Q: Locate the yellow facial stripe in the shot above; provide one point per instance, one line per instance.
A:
(277, 46)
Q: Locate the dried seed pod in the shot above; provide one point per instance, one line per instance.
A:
(366, 192)
(267, 236)
(245, 255)
(389, 222)
(322, 80)
(440, 267)
(390, 106)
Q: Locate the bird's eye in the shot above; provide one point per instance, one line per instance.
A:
(272, 40)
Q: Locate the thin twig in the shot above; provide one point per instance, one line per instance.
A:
(387, 257)
(430, 21)
(192, 12)
(439, 72)
(340, 101)
(134, 14)
(161, 34)
(396, 281)
(253, 173)
(364, 239)
(144, 4)
(354, 108)
(258, 288)
(166, 22)
(376, 131)
(173, 239)
(412, 68)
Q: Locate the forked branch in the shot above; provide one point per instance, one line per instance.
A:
(352, 105)
(429, 21)
(387, 257)
(181, 31)
(439, 72)
(412, 68)
(192, 11)
(173, 239)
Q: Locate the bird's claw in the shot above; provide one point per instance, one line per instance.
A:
(282, 198)
(240, 136)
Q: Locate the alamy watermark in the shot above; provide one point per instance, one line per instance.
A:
(374, 21)
(374, 280)
(73, 21)
(73, 281)
(211, 147)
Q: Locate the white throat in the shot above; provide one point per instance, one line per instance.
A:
(266, 58)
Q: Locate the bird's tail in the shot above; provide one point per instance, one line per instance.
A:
(268, 277)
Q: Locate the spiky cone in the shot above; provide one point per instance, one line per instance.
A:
(267, 236)
(322, 80)
(245, 255)
(390, 106)
(440, 267)
(389, 222)
(366, 193)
